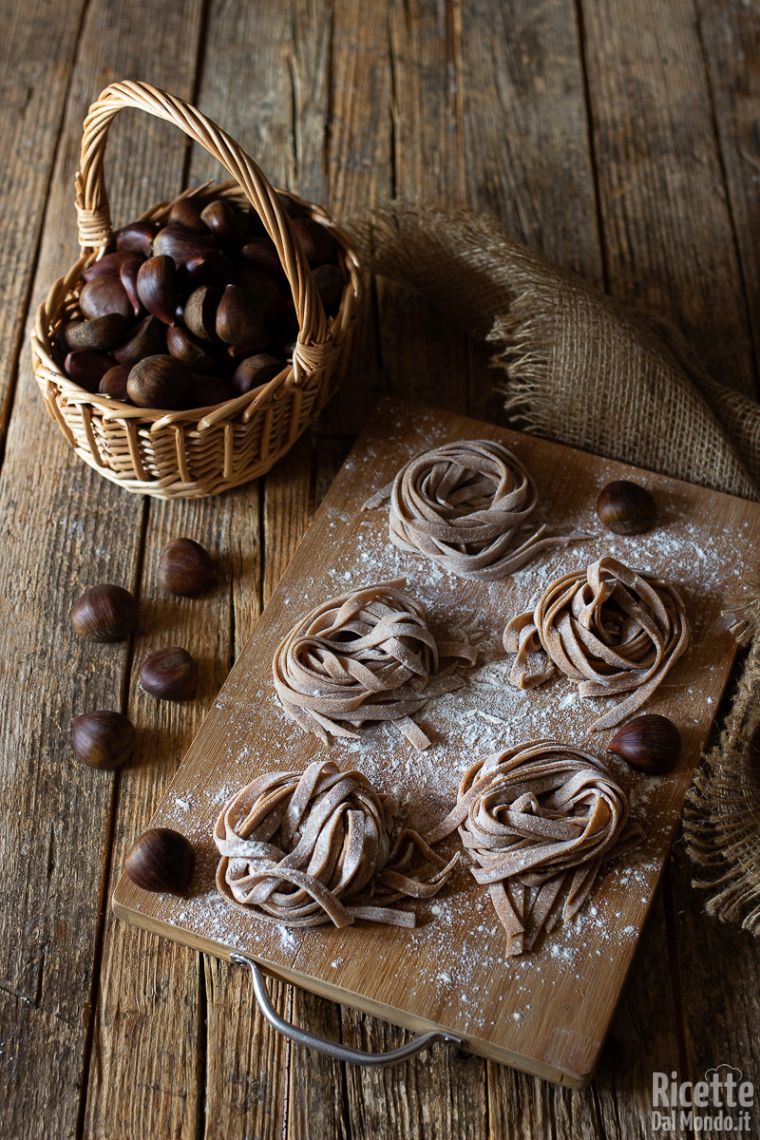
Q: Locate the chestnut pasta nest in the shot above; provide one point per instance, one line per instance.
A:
(367, 655)
(469, 506)
(315, 847)
(610, 628)
(539, 820)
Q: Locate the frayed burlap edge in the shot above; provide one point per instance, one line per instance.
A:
(721, 822)
(577, 367)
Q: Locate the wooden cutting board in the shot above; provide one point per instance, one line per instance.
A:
(547, 1012)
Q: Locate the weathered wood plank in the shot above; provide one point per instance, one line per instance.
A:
(668, 237)
(282, 65)
(36, 72)
(423, 357)
(73, 530)
(731, 40)
(528, 157)
(148, 1032)
(645, 62)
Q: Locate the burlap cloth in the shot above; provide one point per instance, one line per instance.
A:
(575, 366)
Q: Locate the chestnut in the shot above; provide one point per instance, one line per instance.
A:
(186, 568)
(161, 860)
(180, 243)
(626, 507)
(169, 674)
(157, 287)
(254, 371)
(114, 382)
(148, 339)
(650, 742)
(103, 739)
(317, 242)
(224, 221)
(103, 295)
(239, 320)
(187, 212)
(200, 311)
(159, 382)
(87, 367)
(128, 276)
(208, 391)
(101, 333)
(106, 266)
(104, 613)
(183, 346)
(137, 237)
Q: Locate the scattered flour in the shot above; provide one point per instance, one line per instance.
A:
(458, 947)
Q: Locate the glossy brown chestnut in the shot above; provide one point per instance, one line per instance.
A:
(137, 237)
(262, 253)
(185, 347)
(186, 568)
(103, 739)
(101, 333)
(104, 613)
(224, 221)
(114, 382)
(107, 266)
(208, 391)
(147, 339)
(159, 382)
(128, 272)
(317, 242)
(626, 508)
(104, 295)
(255, 370)
(161, 860)
(169, 674)
(650, 742)
(200, 311)
(187, 212)
(180, 243)
(87, 367)
(239, 321)
(157, 287)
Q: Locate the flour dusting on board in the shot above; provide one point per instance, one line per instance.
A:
(460, 959)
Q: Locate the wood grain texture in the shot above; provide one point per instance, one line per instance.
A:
(730, 36)
(36, 69)
(668, 237)
(638, 200)
(85, 532)
(491, 111)
(552, 1018)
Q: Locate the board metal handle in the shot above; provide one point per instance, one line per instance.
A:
(333, 1048)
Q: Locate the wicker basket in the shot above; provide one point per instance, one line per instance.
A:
(199, 452)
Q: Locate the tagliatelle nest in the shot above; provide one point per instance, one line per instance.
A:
(315, 847)
(539, 821)
(468, 505)
(367, 655)
(610, 628)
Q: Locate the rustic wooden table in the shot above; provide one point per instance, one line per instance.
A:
(619, 136)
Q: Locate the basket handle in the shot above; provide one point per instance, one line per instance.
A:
(94, 218)
(333, 1048)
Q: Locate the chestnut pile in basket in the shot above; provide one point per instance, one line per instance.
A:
(194, 310)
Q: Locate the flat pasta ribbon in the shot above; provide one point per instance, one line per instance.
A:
(315, 847)
(367, 655)
(610, 628)
(468, 505)
(539, 821)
